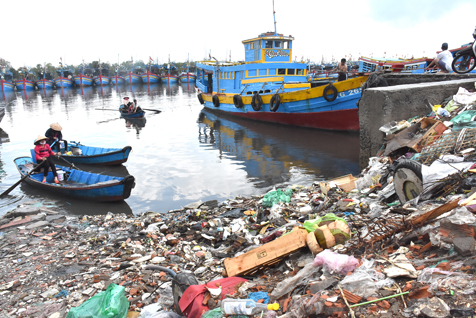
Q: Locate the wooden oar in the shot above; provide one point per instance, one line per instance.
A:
(70, 164)
(116, 110)
(152, 110)
(19, 181)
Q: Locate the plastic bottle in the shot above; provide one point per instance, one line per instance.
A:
(245, 307)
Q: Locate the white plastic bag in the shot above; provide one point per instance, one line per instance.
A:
(336, 263)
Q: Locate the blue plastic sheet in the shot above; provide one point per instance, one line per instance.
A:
(259, 295)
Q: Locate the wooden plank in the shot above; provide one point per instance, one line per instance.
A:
(266, 254)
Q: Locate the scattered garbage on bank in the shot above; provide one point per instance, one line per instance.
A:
(397, 241)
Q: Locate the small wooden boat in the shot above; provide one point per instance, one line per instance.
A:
(82, 154)
(81, 184)
(125, 114)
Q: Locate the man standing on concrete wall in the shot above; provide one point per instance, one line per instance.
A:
(443, 60)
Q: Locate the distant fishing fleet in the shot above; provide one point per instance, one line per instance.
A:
(152, 73)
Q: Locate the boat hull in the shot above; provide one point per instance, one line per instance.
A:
(188, 78)
(101, 80)
(63, 82)
(24, 84)
(117, 80)
(82, 80)
(133, 115)
(150, 78)
(305, 108)
(44, 84)
(80, 184)
(169, 79)
(133, 79)
(97, 155)
(6, 86)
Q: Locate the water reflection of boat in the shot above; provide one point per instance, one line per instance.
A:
(134, 88)
(188, 88)
(85, 91)
(26, 94)
(4, 136)
(136, 123)
(270, 152)
(65, 92)
(152, 89)
(104, 90)
(46, 93)
(8, 96)
(171, 89)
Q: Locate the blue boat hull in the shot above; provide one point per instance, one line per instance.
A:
(187, 78)
(25, 85)
(6, 86)
(133, 79)
(101, 80)
(117, 80)
(97, 155)
(80, 184)
(63, 82)
(150, 78)
(81, 80)
(306, 108)
(44, 84)
(169, 79)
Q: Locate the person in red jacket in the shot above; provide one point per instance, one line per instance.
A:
(43, 152)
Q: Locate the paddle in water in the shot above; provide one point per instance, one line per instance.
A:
(19, 181)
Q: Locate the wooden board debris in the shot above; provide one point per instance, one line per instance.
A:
(267, 254)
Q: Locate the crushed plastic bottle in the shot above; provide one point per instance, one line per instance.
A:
(245, 307)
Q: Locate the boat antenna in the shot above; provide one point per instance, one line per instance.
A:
(274, 18)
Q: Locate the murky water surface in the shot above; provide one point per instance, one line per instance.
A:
(181, 155)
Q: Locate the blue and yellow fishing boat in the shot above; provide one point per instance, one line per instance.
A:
(84, 78)
(187, 76)
(269, 86)
(171, 76)
(77, 183)
(65, 75)
(101, 75)
(118, 78)
(6, 78)
(152, 74)
(26, 81)
(134, 74)
(45, 80)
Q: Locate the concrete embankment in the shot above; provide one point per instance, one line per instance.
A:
(410, 96)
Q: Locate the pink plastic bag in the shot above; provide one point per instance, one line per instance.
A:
(336, 263)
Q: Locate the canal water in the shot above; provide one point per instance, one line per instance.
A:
(181, 155)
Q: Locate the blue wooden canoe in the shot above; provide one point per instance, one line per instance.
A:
(131, 115)
(77, 183)
(95, 155)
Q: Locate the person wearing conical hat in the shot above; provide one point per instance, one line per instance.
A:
(43, 153)
(55, 136)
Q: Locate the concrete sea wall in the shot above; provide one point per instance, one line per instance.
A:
(381, 105)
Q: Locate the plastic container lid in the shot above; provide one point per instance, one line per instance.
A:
(274, 306)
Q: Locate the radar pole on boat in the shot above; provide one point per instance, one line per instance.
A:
(274, 18)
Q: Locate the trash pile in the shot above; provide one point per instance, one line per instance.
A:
(399, 241)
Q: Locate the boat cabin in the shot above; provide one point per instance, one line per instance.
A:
(268, 68)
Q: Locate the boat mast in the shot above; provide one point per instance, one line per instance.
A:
(274, 18)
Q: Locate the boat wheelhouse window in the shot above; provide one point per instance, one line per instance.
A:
(269, 44)
(291, 71)
(277, 44)
(263, 72)
(272, 71)
(300, 72)
(285, 44)
(257, 45)
(281, 71)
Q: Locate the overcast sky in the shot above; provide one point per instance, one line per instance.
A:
(43, 31)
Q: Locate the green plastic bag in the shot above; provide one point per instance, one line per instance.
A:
(273, 197)
(312, 225)
(111, 303)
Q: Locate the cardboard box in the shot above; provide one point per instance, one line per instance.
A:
(346, 183)
(267, 254)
